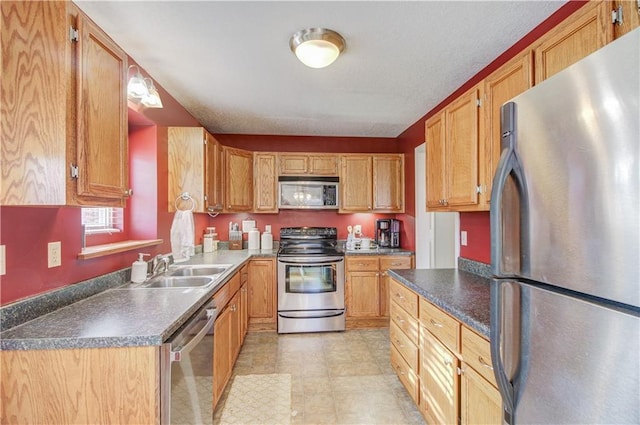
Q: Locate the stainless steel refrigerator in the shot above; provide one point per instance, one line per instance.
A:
(565, 235)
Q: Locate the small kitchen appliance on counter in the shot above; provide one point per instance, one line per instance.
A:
(388, 233)
(310, 280)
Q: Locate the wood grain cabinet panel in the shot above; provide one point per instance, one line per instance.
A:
(388, 183)
(186, 163)
(579, 35)
(355, 183)
(480, 402)
(301, 164)
(214, 180)
(80, 386)
(238, 180)
(630, 17)
(63, 105)
(510, 80)
(323, 164)
(265, 182)
(439, 379)
(262, 294)
(387, 263)
(362, 294)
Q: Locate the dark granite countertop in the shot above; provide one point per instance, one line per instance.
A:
(123, 316)
(464, 295)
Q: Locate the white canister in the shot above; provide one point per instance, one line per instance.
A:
(254, 239)
(267, 239)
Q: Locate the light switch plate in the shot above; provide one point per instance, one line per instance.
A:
(3, 260)
(463, 238)
(54, 257)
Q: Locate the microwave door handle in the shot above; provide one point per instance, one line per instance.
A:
(177, 355)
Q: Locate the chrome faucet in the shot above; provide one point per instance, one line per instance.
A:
(160, 264)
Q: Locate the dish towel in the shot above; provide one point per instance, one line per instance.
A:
(182, 236)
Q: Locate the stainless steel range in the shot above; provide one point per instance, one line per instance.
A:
(310, 280)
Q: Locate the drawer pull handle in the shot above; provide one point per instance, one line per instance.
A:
(436, 324)
(485, 364)
(399, 344)
(399, 296)
(447, 362)
(399, 319)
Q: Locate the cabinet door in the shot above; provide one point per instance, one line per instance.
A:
(462, 135)
(101, 114)
(438, 380)
(323, 165)
(355, 183)
(238, 180)
(362, 294)
(34, 80)
(388, 183)
(265, 198)
(213, 175)
(293, 164)
(186, 162)
(434, 135)
(480, 402)
(508, 81)
(262, 294)
(244, 311)
(584, 32)
(630, 17)
(222, 364)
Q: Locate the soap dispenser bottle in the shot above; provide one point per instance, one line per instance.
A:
(139, 269)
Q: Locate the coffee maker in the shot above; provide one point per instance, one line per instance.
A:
(388, 233)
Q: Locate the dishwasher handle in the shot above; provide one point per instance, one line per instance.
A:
(176, 355)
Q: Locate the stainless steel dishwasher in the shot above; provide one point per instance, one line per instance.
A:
(186, 384)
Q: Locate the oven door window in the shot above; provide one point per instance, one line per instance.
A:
(310, 279)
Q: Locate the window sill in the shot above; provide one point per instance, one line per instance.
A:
(114, 248)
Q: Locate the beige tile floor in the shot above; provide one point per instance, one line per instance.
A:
(337, 377)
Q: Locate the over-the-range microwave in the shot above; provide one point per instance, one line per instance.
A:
(308, 192)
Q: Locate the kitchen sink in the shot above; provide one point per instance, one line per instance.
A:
(203, 270)
(178, 282)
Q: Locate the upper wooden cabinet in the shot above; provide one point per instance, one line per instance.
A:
(300, 164)
(64, 121)
(238, 180)
(452, 139)
(581, 34)
(194, 168)
(265, 182)
(508, 81)
(371, 183)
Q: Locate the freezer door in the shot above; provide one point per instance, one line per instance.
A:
(574, 167)
(563, 360)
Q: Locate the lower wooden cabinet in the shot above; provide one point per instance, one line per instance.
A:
(367, 288)
(261, 285)
(444, 365)
(118, 385)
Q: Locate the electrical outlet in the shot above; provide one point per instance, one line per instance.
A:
(54, 254)
(463, 238)
(3, 260)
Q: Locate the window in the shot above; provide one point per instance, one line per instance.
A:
(102, 220)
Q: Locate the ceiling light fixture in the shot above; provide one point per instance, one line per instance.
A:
(317, 47)
(141, 90)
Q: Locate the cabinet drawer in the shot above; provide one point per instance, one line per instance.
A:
(476, 352)
(404, 321)
(234, 284)
(387, 263)
(441, 325)
(222, 297)
(404, 345)
(405, 297)
(362, 264)
(407, 376)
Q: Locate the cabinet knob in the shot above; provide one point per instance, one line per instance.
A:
(128, 192)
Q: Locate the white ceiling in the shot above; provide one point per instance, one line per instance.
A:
(229, 64)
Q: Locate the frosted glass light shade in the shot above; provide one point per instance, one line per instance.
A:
(317, 47)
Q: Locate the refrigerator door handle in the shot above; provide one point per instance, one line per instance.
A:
(509, 195)
(505, 347)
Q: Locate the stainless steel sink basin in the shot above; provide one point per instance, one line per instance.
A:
(198, 270)
(178, 282)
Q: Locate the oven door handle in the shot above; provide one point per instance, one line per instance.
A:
(311, 261)
(176, 355)
(292, 315)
